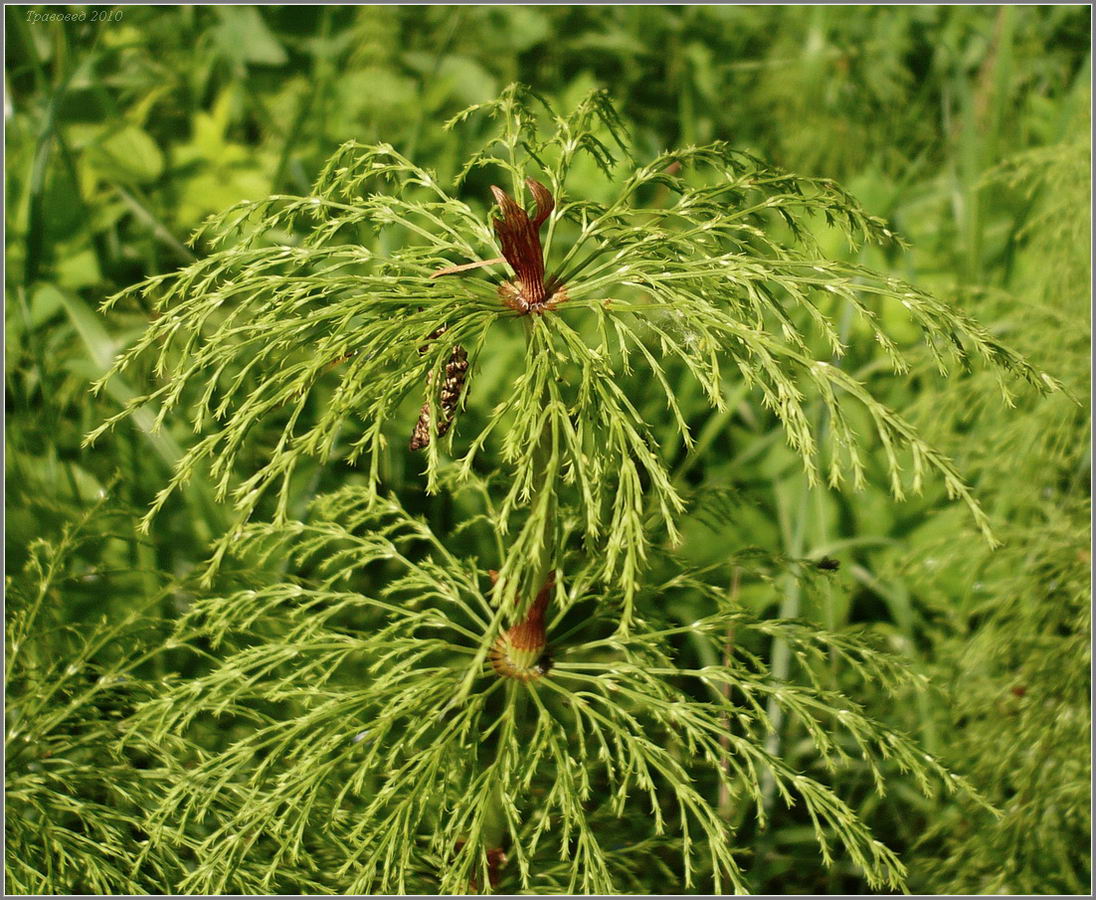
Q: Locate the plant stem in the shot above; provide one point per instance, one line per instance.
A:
(541, 566)
(781, 654)
(725, 738)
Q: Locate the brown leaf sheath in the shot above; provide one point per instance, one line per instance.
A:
(519, 238)
(517, 652)
(496, 859)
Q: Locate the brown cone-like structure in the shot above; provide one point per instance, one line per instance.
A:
(456, 371)
(496, 859)
(521, 652)
(519, 239)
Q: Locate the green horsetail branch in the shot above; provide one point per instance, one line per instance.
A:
(699, 263)
(557, 767)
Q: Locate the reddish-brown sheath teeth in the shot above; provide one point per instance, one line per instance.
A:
(521, 651)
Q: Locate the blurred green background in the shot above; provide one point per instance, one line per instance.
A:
(966, 127)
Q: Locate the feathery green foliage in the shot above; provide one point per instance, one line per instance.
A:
(702, 259)
(138, 667)
(721, 275)
(1017, 664)
(357, 745)
(76, 803)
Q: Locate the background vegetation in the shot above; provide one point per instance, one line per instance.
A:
(966, 127)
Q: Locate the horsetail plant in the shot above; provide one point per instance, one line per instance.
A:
(546, 752)
(412, 721)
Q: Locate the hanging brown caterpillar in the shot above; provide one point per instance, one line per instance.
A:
(456, 372)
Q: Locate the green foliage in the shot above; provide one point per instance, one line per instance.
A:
(705, 278)
(388, 774)
(1017, 664)
(179, 726)
(76, 801)
(1017, 674)
(722, 270)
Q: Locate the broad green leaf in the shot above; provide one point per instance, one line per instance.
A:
(128, 155)
(243, 36)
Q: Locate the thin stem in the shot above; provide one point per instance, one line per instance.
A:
(780, 652)
(725, 689)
